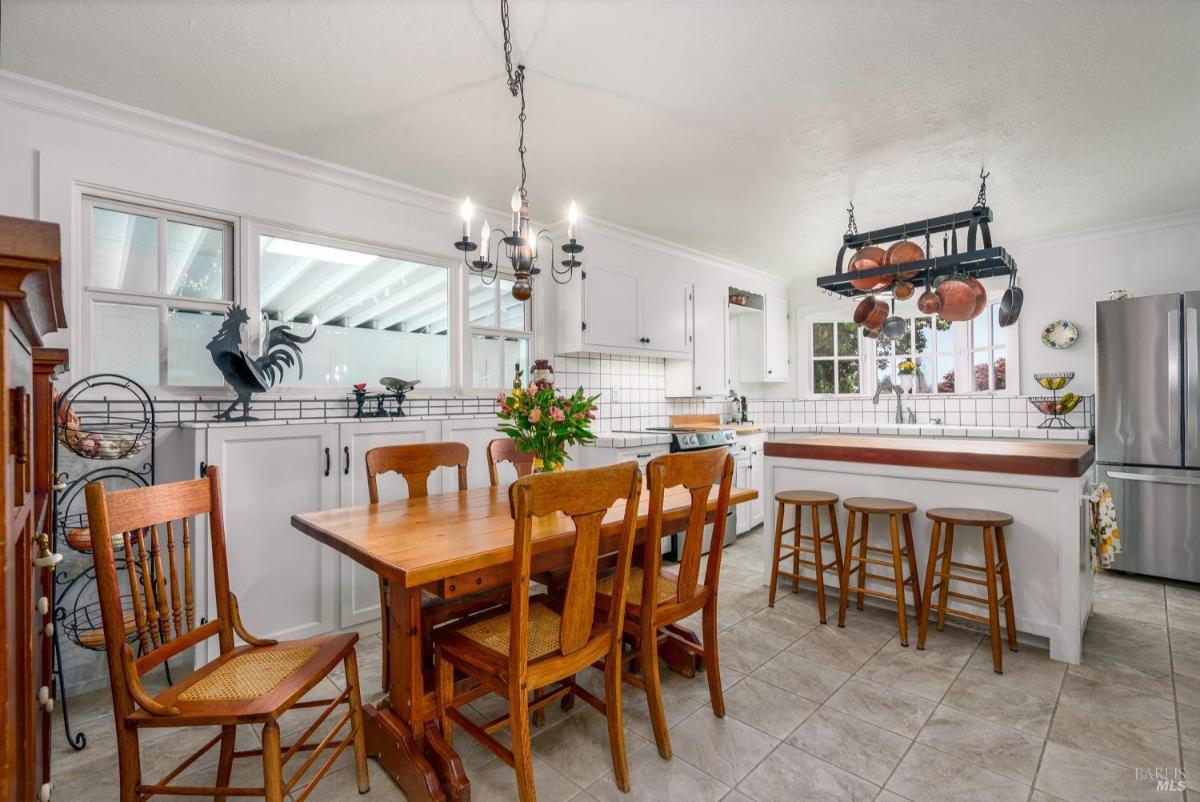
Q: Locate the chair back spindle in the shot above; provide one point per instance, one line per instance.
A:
(502, 450)
(415, 462)
(586, 497)
(698, 472)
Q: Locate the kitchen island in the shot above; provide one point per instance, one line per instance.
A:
(1040, 483)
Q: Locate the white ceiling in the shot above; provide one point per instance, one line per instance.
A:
(738, 128)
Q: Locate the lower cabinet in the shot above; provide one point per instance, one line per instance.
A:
(289, 585)
(749, 472)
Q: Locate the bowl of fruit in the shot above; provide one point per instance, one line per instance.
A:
(1056, 406)
(1054, 381)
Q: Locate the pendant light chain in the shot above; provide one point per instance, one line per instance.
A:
(516, 85)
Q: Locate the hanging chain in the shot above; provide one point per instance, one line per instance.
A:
(516, 85)
(851, 224)
(981, 201)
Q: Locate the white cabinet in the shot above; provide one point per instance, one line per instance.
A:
(705, 373)
(775, 340)
(757, 480)
(360, 585)
(287, 584)
(749, 472)
(619, 312)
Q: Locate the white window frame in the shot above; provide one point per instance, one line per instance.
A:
(896, 359)
(812, 357)
(162, 213)
(990, 349)
(470, 330)
(254, 230)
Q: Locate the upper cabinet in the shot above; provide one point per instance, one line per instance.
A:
(762, 338)
(775, 338)
(613, 311)
(704, 373)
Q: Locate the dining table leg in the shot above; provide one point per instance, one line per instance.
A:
(401, 729)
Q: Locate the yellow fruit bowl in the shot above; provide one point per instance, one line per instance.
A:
(1054, 381)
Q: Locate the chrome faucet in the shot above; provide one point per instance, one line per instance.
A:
(899, 399)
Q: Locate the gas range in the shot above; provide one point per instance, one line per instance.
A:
(684, 438)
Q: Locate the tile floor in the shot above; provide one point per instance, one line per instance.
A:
(818, 712)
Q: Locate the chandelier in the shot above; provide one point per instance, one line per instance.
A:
(520, 245)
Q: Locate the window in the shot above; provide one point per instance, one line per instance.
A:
(372, 315)
(836, 346)
(922, 360)
(500, 328)
(988, 363)
(156, 284)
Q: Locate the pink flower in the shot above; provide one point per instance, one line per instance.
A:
(505, 409)
(500, 398)
(535, 416)
(556, 414)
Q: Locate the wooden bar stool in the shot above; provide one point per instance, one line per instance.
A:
(992, 524)
(896, 511)
(799, 499)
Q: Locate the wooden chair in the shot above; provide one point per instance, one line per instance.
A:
(250, 684)
(415, 463)
(541, 641)
(503, 449)
(656, 599)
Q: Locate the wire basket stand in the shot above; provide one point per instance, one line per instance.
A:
(108, 418)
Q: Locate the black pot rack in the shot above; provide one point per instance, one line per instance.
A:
(980, 262)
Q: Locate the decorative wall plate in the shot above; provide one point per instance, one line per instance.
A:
(1060, 334)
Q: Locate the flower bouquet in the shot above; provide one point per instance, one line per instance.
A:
(542, 420)
(907, 368)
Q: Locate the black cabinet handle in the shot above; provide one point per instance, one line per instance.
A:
(697, 387)
(327, 461)
(346, 450)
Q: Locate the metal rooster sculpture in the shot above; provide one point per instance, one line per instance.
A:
(246, 374)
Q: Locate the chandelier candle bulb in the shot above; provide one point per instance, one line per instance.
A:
(516, 210)
(485, 234)
(467, 213)
(572, 221)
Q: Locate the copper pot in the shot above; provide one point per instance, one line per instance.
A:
(863, 310)
(958, 299)
(868, 258)
(903, 290)
(929, 302)
(878, 314)
(980, 296)
(902, 252)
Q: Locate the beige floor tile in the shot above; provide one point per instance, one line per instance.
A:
(724, 748)
(745, 646)
(1189, 725)
(857, 746)
(1142, 710)
(1001, 704)
(653, 779)
(1029, 670)
(1100, 667)
(736, 796)
(578, 747)
(1185, 618)
(924, 673)
(1131, 608)
(1082, 777)
(927, 774)
(495, 780)
(901, 712)
(807, 678)
(788, 621)
(843, 648)
(734, 604)
(790, 775)
(1110, 624)
(1114, 738)
(1004, 750)
(767, 708)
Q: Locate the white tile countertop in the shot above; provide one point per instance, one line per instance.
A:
(633, 439)
(216, 424)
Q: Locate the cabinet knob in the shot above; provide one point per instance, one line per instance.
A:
(697, 387)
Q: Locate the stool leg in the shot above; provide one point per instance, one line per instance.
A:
(818, 559)
(844, 591)
(837, 545)
(1010, 618)
(914, 577)
(798, 518)
(862, 559)
(944, 577)
(927, 598)
(989, 561)
(898, 567)
(778, 546)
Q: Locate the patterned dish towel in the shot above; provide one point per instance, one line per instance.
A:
(1105, 537)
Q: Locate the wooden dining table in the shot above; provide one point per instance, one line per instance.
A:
(452, 545)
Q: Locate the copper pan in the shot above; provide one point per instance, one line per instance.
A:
(980, 296)
(863, 310)
(878, 314)
(902, 252)
(958, 299)
(869, 257)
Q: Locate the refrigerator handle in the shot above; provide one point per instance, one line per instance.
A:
(1192, 343)
(1146, 477)
(1172, 412)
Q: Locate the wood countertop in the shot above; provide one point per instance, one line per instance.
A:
(712, 423)
(1034, 458)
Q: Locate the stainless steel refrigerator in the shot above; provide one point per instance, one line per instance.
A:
(1148, 429)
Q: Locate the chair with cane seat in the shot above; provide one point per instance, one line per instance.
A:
(255, 683)
(539, 642)
(656, 599)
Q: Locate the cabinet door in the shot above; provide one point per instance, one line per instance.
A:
(757, 481)
(741, 478)
(610, 309)
(664, 306)
(709, 375)
(775, 347)
(286, 582)
(360, 585)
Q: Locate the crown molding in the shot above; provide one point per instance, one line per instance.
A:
(1132, 228)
